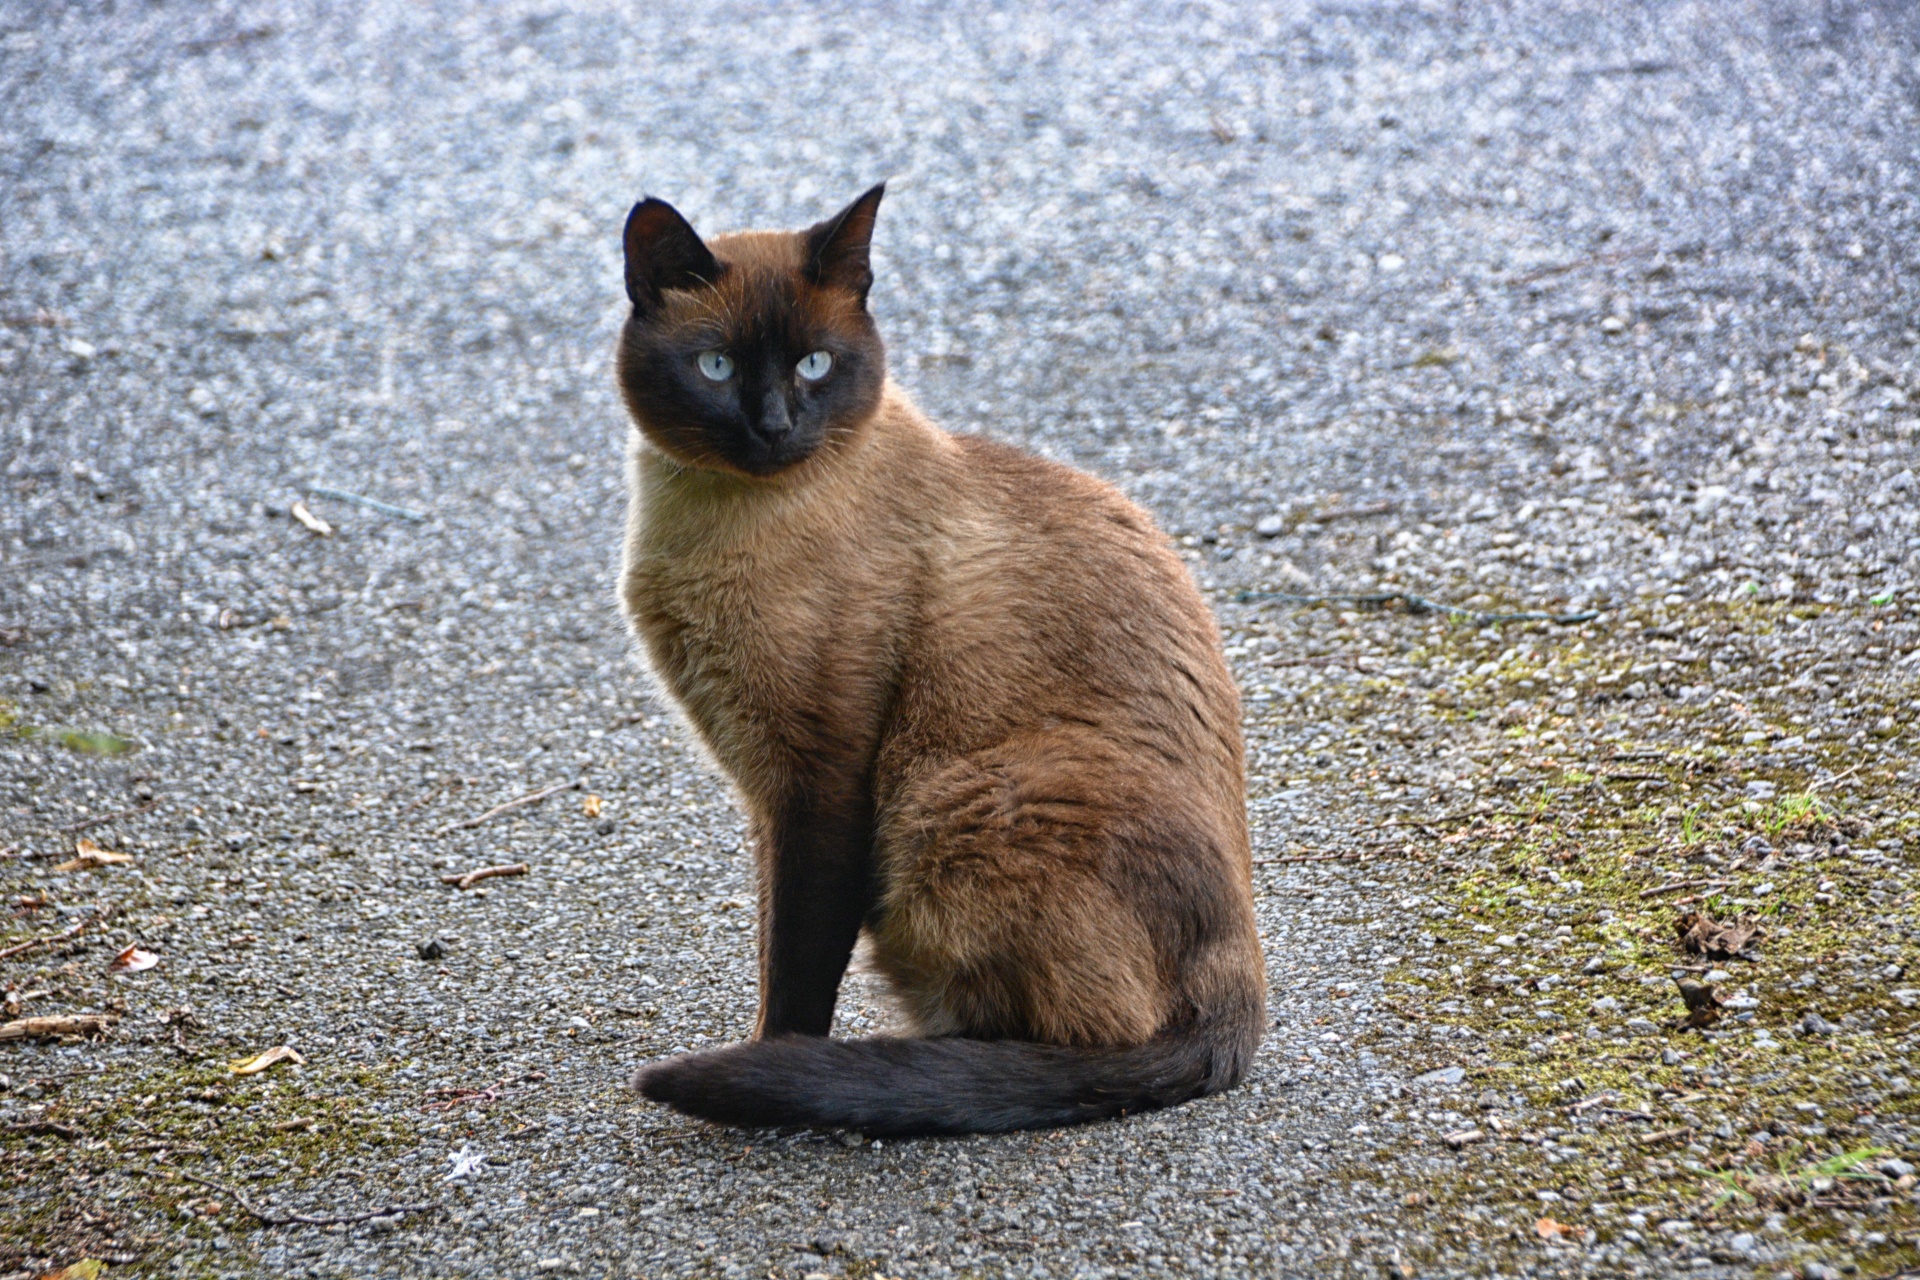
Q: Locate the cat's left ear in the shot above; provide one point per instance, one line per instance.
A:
(837, 248)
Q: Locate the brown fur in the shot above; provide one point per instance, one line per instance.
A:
(970, 699)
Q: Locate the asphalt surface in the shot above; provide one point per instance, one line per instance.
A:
(1579, 307)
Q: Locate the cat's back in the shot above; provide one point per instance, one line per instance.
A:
(1071, 547)
(1052, 597)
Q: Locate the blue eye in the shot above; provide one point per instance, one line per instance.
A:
(814, 367)
(716, 367)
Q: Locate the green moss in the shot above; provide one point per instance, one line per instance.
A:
(1622, 797)
(289, 1125)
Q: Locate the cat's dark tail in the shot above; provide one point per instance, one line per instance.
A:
(886, 1086)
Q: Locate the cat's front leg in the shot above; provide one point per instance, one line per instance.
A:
(816, 888)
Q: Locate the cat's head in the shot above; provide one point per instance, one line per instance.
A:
(751, 353)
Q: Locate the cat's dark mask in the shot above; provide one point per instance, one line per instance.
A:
(750, 354)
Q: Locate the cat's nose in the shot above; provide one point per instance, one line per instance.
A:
(775, 421)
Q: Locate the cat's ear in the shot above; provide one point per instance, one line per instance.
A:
(663, 252)
(837, 248)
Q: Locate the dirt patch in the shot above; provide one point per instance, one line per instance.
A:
(1680, 930)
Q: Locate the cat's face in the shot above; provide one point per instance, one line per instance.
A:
(750, 354)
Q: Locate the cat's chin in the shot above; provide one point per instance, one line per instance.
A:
(769, 465)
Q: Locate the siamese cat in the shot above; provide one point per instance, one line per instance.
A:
(970, 699)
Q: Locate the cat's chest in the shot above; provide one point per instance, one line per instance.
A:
(763, 643)
(718, 638)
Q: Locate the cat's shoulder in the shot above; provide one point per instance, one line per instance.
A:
(1027, 479)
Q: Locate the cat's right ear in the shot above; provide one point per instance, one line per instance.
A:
(663, 252)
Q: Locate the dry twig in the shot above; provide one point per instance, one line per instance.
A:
(468, 879)
(64, 1024)
(1827, 782)
(297, 1219)
(1662, 890)
(1593, 260)
(1361, 855)
(499, 809)
(168, 1148)
(1664, 1135)
(371, 504)
(1352, 513)
(53, 1127)
(72, 931)
(1469, 815)
(449, 1098)
(73, 827)
(1420, 604)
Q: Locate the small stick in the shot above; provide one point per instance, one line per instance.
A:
(499, 809)
(1598, 259)
(62, 936)
(1420, 604)
(169, 1147)
(1351, 513)
(1676, 887)
(299, 1219)
(1361, 856)
(1827, 782)
(439, 786)
(1462, 817)
(40, 319)
(53, 1127)
(471, 878)
(1421, 822)
(73, 827)
(1595, 1101)
(371, 504)
(460, 1095)
(61, 1024)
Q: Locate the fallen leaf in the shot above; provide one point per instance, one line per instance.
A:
(89, 854)
(254, 1066)
(312, 521)
(1702, 935)
(1703, 1004)
(94, 744)
(591, 806)
(1548, 1229)
(133, 960)
(85, 1269)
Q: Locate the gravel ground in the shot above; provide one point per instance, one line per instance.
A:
(1583, 308)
